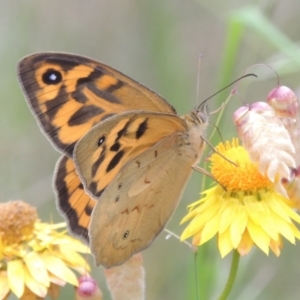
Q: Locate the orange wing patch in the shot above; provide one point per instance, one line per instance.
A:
(72, 201)
(69, 94)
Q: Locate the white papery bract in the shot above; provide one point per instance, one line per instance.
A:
(267, 141)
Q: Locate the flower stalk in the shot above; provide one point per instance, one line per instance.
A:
(232, 275)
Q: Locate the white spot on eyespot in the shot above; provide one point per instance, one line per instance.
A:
(53, 77)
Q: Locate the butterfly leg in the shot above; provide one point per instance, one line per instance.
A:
(203, 171)
(217, 152)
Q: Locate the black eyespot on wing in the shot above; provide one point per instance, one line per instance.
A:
(52, 77)
(142, 129)
(101, 140)
(125, 235)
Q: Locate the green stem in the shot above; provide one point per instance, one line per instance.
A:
(232, 275)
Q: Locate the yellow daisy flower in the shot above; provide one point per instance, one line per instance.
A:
(36, 257)
(243, 210)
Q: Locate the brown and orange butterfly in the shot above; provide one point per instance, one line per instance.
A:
(126, 157)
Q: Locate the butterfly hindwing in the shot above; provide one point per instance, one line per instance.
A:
(69, 94)
(135, 207)
(73, 202)
(105, 149)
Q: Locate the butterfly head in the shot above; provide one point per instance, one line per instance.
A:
(202, 112)
(199, 116)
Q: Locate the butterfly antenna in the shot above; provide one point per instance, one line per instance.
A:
(222, 89)
(198, 79)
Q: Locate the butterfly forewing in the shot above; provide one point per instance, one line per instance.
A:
(105, 149)
(134, 208)
(69, 94)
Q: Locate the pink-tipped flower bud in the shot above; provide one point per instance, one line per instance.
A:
(284, 102)
(286, 106)
(88, 289)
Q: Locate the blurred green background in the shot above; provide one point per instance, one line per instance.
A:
(158, 43)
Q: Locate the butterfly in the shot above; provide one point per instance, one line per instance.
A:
(126, 154)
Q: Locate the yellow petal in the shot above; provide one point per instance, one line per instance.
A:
(54, 279)
(259, 237)
(292, 214)
(70, 256)
(246, 244)
(238, 226)
(254, 208)
(295, 230)
(70, 242)
(284, 228)
(37, 288)
(196, 241)
(4, 285)
(224, 243)
(261, 215)
(29, 295)
(276, 246)
(210, 229)
(201, 205)
(185, 234)
(36, 268)
(199, 211)
(15, 274)
(268, 224)
(57, 267)
(278, 207)
(201, 219)
(228, 213)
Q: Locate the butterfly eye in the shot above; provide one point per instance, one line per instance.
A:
(101, 140)
(120, 185)
(52, 76)
(125, 235)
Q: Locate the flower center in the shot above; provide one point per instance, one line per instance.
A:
(240, 175)
(17, 220)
